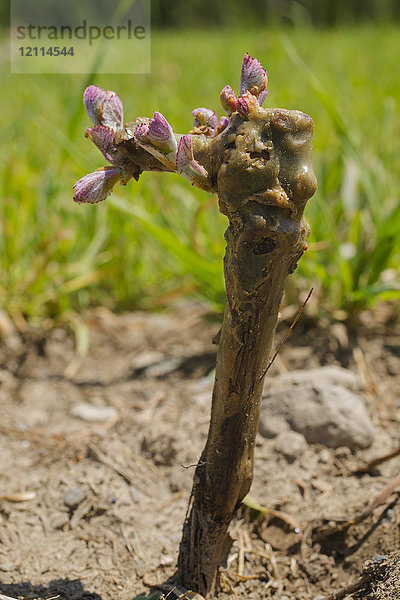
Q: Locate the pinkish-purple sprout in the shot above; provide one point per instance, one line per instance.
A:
(157, 138)
(103, 138)
(141, 133)
(93, 98)
(247, 103)
(161, 135)
(156, 135)
(253, 76)
(96, 186)
(206, 118)
(223, 124)
(186, 165)
(228, 99)
(253, 83)
(104, 107)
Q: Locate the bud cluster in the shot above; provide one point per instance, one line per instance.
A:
(156, 136)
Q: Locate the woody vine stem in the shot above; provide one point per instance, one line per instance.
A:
(259, 162)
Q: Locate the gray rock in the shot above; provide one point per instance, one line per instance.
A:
(73, 496)
(291, 444)
(324, 413)
(330, 374)
(271, 425)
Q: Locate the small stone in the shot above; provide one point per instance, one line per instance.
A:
(325, 456)
(330, 374)
(59, 521)
(324, 413)
(90, 412)
(273, 425)
(6, 566)
(166, 561)
(73, 496)
(291, 444)
(342, 452)
(378, 558)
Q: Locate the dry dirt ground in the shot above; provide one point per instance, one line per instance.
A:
(97, 455)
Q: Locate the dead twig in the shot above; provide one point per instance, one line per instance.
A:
(327, 531)
(106, 460)
(226, 581)
(348, 589)
(278, 514)
(127, 543)
(240, 570)
(379, 500)
(378, 461)
(282, 343)
(83, 509)
(374, 388)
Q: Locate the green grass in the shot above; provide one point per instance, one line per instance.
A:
(160, 238)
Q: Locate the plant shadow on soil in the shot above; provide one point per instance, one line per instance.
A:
(62, 589)
(148, 377)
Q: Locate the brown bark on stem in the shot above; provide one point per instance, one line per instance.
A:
(261, 169)
(264, 181)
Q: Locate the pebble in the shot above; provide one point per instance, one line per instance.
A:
(166, 561)
(329, 374)
(59, 521)
(291, 444)
(90, 412)
(324, 413)
(273, 425)
(324, 456)
(73, 496)
(6, 566)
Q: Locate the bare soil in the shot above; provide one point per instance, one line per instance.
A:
(92, 502)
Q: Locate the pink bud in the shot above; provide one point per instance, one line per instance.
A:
(186, 165)
(96, 186)
(223, 123)
(103, 108)
(161, 135)
(112, 112)
(141, 133)
(93, 98)
(205, 117)
(247, 103)
(262, 97)
(103, 138)
(253, 76)
(228, 99)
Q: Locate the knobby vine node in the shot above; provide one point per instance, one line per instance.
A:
(259, 162)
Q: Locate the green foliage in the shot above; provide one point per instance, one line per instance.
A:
(159, 238)
(288, 12)
(359, 216)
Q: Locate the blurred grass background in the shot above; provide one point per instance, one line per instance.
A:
(161, 239)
